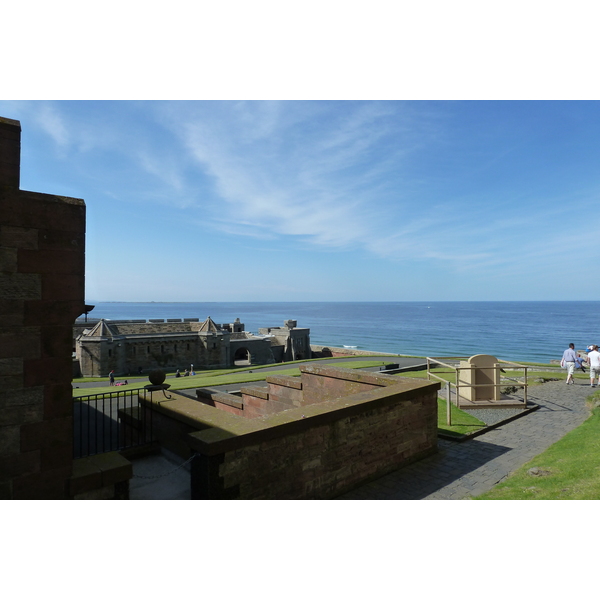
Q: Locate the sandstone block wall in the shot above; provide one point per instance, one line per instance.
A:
(327, 383)
(288, 391)
(317, 451)
(42, 270)
(326, 461)
(258, 402)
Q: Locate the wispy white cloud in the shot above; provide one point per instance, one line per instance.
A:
(160, 167)
(307, 170)
(124, 151)
(51, 121)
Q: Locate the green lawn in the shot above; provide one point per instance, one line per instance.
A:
(568, 470)
(207, 372)
(218, 377)
(532, 374)
(462, 422)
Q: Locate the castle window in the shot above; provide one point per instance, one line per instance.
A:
(133, 350)
(188, 346)
(162, 349)
(148, 350)
(109, 353)
(174, 348)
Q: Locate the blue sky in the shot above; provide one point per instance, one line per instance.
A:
(325, 200)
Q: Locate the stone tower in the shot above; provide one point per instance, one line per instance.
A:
(42, 268)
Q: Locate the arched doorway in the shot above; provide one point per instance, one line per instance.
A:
(242, 357)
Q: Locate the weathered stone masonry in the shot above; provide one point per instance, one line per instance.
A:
(42, 270)
(126, 346)
(315, 436)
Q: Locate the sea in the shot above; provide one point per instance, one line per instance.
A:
(517, 331)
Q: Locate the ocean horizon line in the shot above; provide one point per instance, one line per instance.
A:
(327, 301)
(529, 330)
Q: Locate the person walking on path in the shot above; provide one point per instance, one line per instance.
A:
(594, 362)
(111, 378)
(569, 359)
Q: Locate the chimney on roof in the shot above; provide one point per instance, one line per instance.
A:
(10, 152)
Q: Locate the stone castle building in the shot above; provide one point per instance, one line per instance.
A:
(130, 346)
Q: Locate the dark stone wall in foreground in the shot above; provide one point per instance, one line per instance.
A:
(42, 268)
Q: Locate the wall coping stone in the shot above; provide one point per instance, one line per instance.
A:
(286, 381)
(356, 375)
(221, 397)
(25, 195)
(95, 472)
(257, 392)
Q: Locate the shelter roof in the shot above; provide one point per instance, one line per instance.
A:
(209, 326)
(101, 329)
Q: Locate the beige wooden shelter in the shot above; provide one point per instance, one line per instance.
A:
(478, 381)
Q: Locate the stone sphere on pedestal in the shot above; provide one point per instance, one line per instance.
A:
(157, 377)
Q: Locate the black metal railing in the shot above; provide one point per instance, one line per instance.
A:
(110, 421)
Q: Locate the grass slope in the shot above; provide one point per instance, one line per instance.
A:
(218, 377)
(568, 470)
(462, 422)
(542, 373)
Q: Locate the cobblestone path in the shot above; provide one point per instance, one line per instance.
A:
(462, 470)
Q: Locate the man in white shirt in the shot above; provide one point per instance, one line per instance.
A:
(568, 359)
(594, 362)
